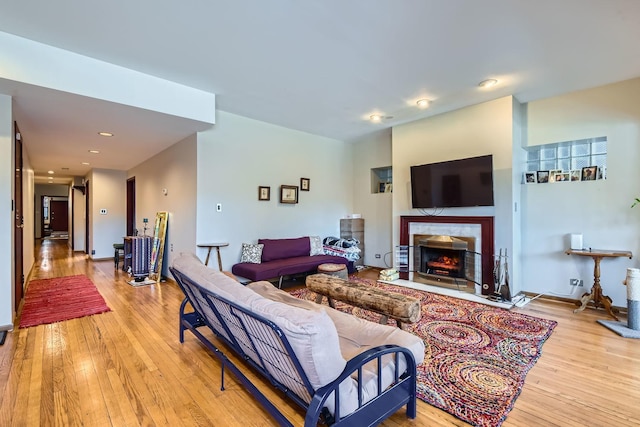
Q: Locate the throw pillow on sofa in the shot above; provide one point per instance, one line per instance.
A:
(316, 246)
(251, 253)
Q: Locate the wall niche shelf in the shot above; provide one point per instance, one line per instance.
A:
(569, 161)
(381, 180)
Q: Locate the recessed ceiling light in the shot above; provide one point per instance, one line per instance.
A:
(86, 163)
(486, 84)
(94, 151)
(376, 118)
(108, 134)
(50, 172)
(422, 103)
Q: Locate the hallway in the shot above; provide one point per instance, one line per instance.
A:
(120, 368)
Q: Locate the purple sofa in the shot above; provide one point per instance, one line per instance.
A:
(284, 257)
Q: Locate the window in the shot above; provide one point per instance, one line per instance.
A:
(569, 155)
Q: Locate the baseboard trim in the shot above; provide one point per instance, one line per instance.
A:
(575, 302)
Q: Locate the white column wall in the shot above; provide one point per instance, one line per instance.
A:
(6, 214)
(600, 210)
(477, 130)
(173, 169)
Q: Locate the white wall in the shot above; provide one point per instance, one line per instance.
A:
(108, 191)
(238, 154)
(175, 170)
(598, 209)
(373, 151)
(6, 214)
(477, 130)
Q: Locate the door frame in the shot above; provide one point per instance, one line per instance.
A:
(18, 238)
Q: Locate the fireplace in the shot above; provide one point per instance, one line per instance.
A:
(471, 241)
(445, 260)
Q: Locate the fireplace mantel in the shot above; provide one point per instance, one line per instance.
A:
(487, 247)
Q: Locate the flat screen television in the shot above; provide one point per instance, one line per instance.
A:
(455, 183)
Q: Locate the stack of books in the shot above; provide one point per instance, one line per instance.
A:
(389, 275)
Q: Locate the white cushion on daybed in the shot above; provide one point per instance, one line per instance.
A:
(355, 336)
(311, 333)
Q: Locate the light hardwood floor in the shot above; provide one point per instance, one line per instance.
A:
(127, 368)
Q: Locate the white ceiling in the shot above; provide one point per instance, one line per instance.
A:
(319, 66)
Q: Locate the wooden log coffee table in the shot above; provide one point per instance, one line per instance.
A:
(401, 308)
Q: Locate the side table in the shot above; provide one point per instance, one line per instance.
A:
(210, 246)
(596, 295)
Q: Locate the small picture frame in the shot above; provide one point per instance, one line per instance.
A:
(388, 187)
(289, 194)
(553, 173)
(530, 178)
(589, 173)
(304, 184)
(543, 177)
(562, 177)
(575, 174)
(264, 193)
(602, 172)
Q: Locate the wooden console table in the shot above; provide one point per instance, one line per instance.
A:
(596, 295)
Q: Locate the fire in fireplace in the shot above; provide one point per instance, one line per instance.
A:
(444, 259)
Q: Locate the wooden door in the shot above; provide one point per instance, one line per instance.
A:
(87, 216)
(131, 206)
(19, 220)
(59, 215)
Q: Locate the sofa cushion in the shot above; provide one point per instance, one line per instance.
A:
(355, 336)
(284, 248)
(251, 253)
(284, 267)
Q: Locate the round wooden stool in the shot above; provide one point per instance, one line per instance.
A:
(337, 270)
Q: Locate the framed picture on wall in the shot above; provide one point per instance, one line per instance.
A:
(289, 194)
(304, 184)
(264, 193)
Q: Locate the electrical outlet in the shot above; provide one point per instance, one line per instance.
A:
(93, 251)
(172, 247)
(219, 207)
(377, 256)
(575, 282)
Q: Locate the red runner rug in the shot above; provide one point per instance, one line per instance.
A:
(476, 356)
(60, 298)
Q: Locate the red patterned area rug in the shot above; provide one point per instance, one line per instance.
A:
(61, 298)
(476, 356)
